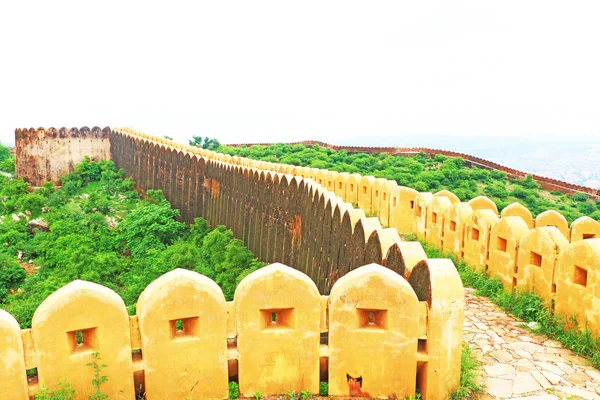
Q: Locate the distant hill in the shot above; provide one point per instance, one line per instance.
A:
(573, 159)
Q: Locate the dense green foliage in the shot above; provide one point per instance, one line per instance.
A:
(206, 143)
(97, 228)
(7, 160)
(428, 174)
(526, 306)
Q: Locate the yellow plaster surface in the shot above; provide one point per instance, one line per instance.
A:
(436, 281)
(449, 195)
(282, 355)
(454, 227)
(585, 228)
(100, 314)
(412, 253)
(180, 363)
(340, 184)
(578, 284)
(365, 193)
(539, 253)
(386, 189)
(402, 209)
(477, 237)
(13, 381)
(435, 220)
(372, 334)
(483, 203)
(518, 210)
(504, 247)
(422, 204)
(553, 218)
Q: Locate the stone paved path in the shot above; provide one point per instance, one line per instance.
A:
(517, 363)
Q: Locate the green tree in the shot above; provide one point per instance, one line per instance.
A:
(206, 143)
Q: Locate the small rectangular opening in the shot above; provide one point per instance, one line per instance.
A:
(82, 340)
(475, 234)
(372, 319)
(418, 211)
(136, 355)
(501, 244)
(514, 282)
(339, 185)
(453, 226)
(434, 217)
(184, 328)
(328, 183)
(554, 288)
(377, 193)
(278, 319)
(412, 204)
(535, 259)
(393, 202)
(589, 236)
(422, 346)
(580, 276)
(32, 377)
(364, 190)
(320, 181)
(352, 187)
(384, 196)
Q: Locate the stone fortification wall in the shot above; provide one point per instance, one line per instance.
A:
(47, 154)
(278, 334)
(546, 183)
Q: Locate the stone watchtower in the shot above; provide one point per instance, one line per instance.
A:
(47, 154)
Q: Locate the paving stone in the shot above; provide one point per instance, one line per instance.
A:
(502, 356)
(541, 379)
(583, 393)
(565, 367)
(526, 346)
(524, 365)
(525, 383)
(540, 397)
(547, 357)
(498, 387)
(550, 367)
(578, 378)
(481, 326)
(499, 369)
(524, 354)
(594, 374)
(552, 378)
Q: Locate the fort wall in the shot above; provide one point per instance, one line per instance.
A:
(47, 154)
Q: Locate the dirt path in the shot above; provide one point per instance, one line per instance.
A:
(517, 363)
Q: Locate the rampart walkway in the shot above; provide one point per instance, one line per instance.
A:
(516, 363)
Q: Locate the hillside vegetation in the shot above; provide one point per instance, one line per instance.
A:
(97, 228)
(428, 174)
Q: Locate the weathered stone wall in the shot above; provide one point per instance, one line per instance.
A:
(187, 342)
(279, 217)
(47, 154)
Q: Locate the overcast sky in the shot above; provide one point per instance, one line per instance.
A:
(252, 71)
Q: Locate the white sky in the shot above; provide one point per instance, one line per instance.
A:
(253, 71)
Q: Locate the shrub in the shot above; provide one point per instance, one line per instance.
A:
(579, 197)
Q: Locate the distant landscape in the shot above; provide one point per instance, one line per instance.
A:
(573, 159)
